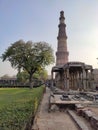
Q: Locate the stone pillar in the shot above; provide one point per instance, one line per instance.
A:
(76, 80)
(51, 79)
(61, 80)
(67, 79)
(71, 80)
(86, 79)
(92, 79)
(80, 81)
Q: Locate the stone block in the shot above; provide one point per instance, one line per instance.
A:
(94, 122)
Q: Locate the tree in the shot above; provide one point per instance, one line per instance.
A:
(23, 76)
(41, 74)
(29, 56)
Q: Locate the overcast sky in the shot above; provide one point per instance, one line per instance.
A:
(38, 20)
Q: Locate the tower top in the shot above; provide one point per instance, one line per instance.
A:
(62, 26)
(62, 13)
(62, 18)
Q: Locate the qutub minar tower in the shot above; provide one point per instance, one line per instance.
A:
(62, 53)
(73, 75)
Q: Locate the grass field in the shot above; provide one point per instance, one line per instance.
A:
(17, 106)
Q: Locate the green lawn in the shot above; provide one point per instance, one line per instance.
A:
(17, 106)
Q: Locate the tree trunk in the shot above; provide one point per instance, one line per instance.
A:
(30, 82)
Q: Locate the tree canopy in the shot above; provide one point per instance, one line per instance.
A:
(29, 56)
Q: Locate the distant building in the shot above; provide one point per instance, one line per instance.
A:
(8, 81)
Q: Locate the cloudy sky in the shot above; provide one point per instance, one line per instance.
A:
(38, 20)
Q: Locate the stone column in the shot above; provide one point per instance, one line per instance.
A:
(86, 79)
(75, 80)
(72, 83)
(80, 81)
(61, 81)
(51, 79)
(92, 79)
(71, 80)
(67, 79)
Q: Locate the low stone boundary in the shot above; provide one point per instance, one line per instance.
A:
(94, 122)
(80, 124)
(79, 108)
(35, 126)
(88, 115)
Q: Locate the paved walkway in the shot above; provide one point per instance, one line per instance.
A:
(54, 120)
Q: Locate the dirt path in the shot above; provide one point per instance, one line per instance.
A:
(54, 120)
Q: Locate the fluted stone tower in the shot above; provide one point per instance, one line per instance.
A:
(62, 53)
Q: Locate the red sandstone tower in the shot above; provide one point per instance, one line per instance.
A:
(62, 53)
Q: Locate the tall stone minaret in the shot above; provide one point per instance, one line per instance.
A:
(62, 53)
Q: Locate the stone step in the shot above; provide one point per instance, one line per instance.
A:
(78, 121)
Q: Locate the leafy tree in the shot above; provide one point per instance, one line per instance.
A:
(22, 77)
(39, 76)
(29, 56)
